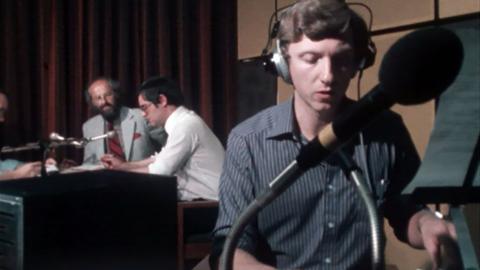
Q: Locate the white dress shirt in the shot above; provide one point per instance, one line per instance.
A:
(193, 154)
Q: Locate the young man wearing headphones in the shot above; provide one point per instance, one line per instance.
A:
(320, 221)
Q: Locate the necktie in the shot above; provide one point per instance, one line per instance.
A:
(114, 146)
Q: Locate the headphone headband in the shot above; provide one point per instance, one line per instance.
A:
(276, 62)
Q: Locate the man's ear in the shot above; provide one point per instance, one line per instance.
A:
(162, 100)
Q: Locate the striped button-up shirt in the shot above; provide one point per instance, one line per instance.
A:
(319, 222)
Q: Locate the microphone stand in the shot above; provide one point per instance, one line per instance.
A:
(277, 186)
(54, 141)
(355, 174)
(280, 184)
(44, 149)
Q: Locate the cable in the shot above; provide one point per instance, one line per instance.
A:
(370, 13)
(370, 23)
(355, 174)
(272, 32)
(359, 82)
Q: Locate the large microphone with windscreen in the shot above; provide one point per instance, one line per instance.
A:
(417, 68)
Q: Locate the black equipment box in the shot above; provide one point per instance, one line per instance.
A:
(90, 220)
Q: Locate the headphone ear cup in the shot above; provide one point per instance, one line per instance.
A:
(369, 56)
(281, 64)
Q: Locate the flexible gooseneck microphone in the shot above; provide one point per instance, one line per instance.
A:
(417, 68)
(55, 137)
(58, 140)
(107, 135)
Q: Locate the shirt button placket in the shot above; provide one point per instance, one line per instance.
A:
(330, 217)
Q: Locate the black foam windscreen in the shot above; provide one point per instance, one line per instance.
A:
(421, 65)
(417, 68)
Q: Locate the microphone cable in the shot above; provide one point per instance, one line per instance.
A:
(273, 31)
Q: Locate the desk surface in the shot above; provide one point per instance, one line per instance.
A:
(89, 180)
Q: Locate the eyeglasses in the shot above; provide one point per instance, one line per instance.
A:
(145, 106)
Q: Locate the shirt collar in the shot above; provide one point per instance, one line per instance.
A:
(283, 121)
(174, 118)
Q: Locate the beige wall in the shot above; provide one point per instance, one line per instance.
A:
(253, 18)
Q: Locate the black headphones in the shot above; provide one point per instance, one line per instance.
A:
(276, 63)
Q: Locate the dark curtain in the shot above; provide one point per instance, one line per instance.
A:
(51, 49)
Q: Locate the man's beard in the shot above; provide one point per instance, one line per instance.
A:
(109, 115)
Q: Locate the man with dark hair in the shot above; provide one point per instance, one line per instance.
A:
(133, 139)
(319, 222)
(192, 152)
(11, 168)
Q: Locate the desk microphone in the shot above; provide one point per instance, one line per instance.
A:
(82, 142)
(57, 139)
(107, 135)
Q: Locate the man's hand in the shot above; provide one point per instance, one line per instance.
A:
(437, 236)
(26, 170)
(244, 260)
(67, 163)
(51, 162)
(111, 162)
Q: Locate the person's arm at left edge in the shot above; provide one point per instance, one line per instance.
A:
(27, 170)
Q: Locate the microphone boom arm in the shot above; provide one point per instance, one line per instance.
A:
(277, 186)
